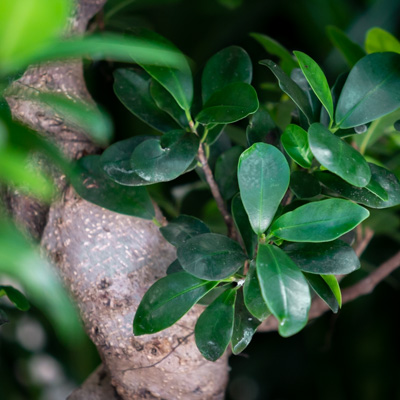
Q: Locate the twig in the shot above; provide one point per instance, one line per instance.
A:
(364, 241)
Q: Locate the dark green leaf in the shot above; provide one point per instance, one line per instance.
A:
(229, 65)
(263, 174)
(338, 157)
(335, 257)
(133, 90)
(378, 40)
(375, 188)
(397, 125)
(260, 126)
(284, 289)
(230, 104)
(94, 186)
(320, 221)
(295, 142)
(211, 256)
(3, 317)
(304, 185)
(214, 134)
(213, 294)
(181, 229)
(213, 330)
(372, 90)
(16, 297)
(175, 266)
(168, 300)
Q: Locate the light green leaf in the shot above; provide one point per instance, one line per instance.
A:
(334, 286)
(378, 40)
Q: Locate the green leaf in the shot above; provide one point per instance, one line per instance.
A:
(181, 229)
(260, 126)
(276, 49)
(320, 221)
(284, 289)
(16, 297)
(317, 80)
(386, 179)
(334, 286)
(214, 134)
(378, 40)
(322, 289)
(3, 317)
(213, 330)
(304, 185)
(351, 51)
(375, 188)
(291, 89)
(211, 256)
(164, 159)
(263, 174)
(253, 298)
(94, 186)
(372, 90)
(226, 172)
(175, 266)
(295, 142)
(230, 104)
(244, 327)
(242, 223)
(229, 65)
(337, 156)
(167, 301)
(133, 90)
(213, 294)
(335, 257)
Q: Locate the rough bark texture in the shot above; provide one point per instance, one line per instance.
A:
(108, 261)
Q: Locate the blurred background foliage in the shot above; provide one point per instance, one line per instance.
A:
(352, 355)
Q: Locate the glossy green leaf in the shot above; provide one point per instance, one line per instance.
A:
(378, 40)
(230, 104)
(261, 125)
(372, 90)
(317, 80)
(263, 174)
(16, 297)
(253, 298)
(322, 289)
(244, 327)
(168, 300)
(386, 179)
(295, 142)
(164, 159)
(94, 186)
(226, 172)
(304, 185)
(211, 256)
(229, 65)
(351, 51)
(375, 188)
(213, 294)
(335, 257)
(291, 89)
(133, 90)
(175, 266)
(320, 221)
(337, 156)
(334, 286)
(284, 289)
(213, 330)
(242, 223)
(181, 229)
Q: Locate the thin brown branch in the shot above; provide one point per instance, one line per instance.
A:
(363, 242)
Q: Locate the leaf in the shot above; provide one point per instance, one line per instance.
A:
(214, 293)
(167, 301)
(386, 179)
(230, 104)
(317, 80)
(284, 289)
(322, 289)
(334, 286)
(304, 185)
(295, 142)
(211, 256)
(213, 330)
(276, 49)
(133, 90)
(175, 266)
(319, 221)
(263, 174)
(242, 223)
(335, 257)
(183, 228)
(16, 297)
(261, 125)
(164, 159)
(229, 65)
(214, 134)
(3, 317)
(375, 188)
(226, 172)
(337, 156)
(378, 40)
(244, 327)
(94, 186)
(351, 51)
(253, 298)
(372, 90)
(291, 89)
